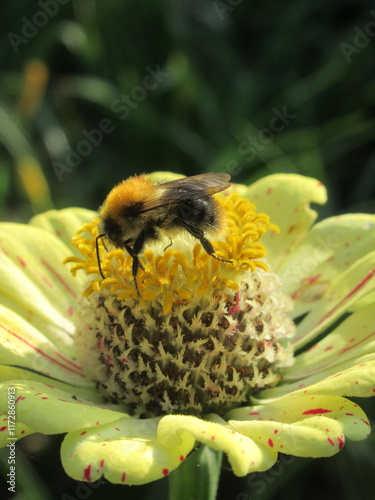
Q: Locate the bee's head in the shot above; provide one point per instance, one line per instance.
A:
(113, 231)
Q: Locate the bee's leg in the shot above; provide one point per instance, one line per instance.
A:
(135, 265)
(101, 236)
(133, 252)
(199, 234)
(170, 244)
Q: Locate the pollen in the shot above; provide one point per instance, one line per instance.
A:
(201, 336)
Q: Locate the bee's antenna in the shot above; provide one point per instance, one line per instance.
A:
(98, 254)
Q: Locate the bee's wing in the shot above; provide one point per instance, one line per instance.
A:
(196, 186)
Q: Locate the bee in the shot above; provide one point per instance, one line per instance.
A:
(138, 210)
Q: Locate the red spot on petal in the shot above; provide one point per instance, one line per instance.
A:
(57, 232)
(341, 442)
(213, 437)
(3, 428)
(165, 472)
(275, 431)
(20, 338)
(365, 339)
(58, 277)
(330, 441)
(269, 191)
(44, 397)
(356, 289)
(87, 473)
(47, 282)
(123, 477)
(22, 262)
(182, 458)
(328, 348)
(254, 413)
(270, 443)
(22, 432)
(316, 411)
(102, 463)
(70, 310)
(84, 432)
(312, 279)
(20, 398)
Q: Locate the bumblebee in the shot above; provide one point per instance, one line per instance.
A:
(138, 210)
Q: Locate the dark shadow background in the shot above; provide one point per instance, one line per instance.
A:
(92, 92)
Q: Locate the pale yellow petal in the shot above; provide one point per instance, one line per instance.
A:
(286, 199)
(33, 280)
(245, 455)
(126, 451)
(327, 251)
(344, 291)
(63, 224)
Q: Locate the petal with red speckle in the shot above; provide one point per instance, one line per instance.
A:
(126, 452)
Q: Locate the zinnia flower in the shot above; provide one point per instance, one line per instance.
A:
(250, 358)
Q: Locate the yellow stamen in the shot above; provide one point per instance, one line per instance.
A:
(175, 275)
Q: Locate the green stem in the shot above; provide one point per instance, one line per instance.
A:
(197, 478)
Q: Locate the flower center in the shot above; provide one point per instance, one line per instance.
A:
(202, 337)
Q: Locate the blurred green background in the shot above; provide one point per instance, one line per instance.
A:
(92, 92)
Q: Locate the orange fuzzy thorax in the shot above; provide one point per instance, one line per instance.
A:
(128, 193)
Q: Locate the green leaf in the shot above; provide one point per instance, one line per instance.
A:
(197, 477)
